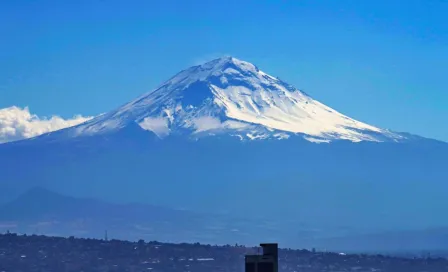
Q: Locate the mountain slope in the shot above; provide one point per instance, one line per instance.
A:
(233, 97)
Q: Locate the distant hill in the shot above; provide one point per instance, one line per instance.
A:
(42, 211)
(45, 212)
(40, 203)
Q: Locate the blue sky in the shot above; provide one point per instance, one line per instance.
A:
(381, 62)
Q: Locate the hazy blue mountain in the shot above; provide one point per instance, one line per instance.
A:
(226, 138)
(45, 212)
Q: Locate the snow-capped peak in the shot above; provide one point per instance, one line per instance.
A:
(231, 96)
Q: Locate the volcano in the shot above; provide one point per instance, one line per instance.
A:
(226, 137)
(233, 97)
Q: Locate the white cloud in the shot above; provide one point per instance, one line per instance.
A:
(18, 123)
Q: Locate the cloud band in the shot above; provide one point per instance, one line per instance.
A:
(18, 123)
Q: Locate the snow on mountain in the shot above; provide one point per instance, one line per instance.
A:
(234, 97)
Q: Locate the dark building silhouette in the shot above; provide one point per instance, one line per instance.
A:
(268, 262)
